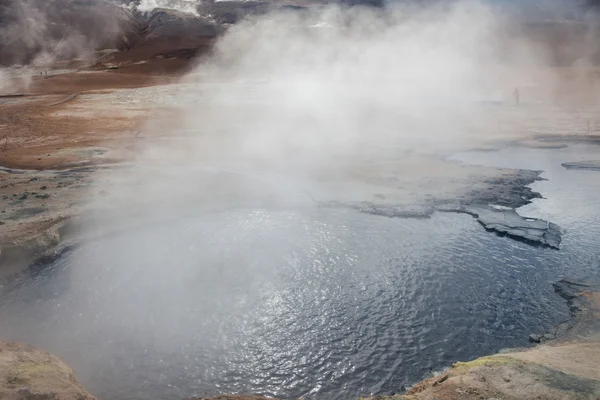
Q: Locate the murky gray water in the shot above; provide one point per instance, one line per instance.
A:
(321, 303)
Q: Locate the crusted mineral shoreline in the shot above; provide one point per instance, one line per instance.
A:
(566, 367)
(494, 206)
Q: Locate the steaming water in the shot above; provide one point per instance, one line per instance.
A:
(326, 303)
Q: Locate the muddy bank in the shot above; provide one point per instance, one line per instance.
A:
(583, 299)
(593, 165)
(36, 210)
(30, 373)
(564, 368)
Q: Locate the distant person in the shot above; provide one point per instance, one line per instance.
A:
(517, 96)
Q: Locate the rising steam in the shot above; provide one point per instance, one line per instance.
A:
(294, 105)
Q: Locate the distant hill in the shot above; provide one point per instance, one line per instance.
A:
(34, 30)
(59, 28)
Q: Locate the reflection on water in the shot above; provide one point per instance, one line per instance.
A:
(294, 303)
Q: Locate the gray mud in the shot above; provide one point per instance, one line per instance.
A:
(574, 139)
(529, 230)
(593, 165)
(508, 192)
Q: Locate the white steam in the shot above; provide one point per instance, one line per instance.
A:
(336, 80)
(298, 106)
(188, 6)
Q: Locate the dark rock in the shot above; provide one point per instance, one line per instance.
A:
(43, 188)
(535, 338)
(42, 196)
(168, 33)
(167, 23)
(530, 230)
(390, 211)
(231, 12)
(569, 288)
(27, 212)
(507, 190)
(584, 139)
(584, 165)
(23, 196)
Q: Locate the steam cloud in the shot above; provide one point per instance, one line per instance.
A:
(35, 32)
(145, 6)
(291, 102)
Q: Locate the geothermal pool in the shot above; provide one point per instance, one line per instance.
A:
(315, 302)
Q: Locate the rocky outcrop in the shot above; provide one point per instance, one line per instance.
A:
(503, 377)
(232, 397)
(510, 223)
(495, 206)
(166, 23)
(166, 33)
(231, 12)
(583, 299)
(27, 373)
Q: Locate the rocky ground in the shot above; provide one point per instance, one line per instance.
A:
(30, 373)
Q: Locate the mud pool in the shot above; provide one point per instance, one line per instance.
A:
(326, 303)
